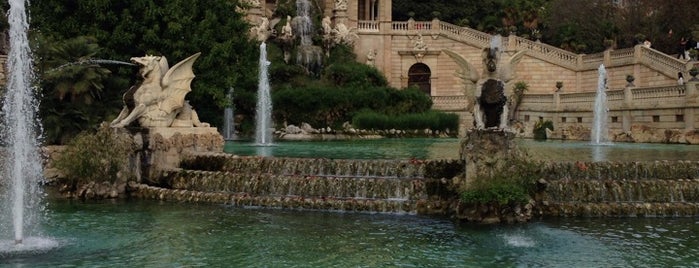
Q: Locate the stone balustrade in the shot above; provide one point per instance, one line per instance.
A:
(578, 62)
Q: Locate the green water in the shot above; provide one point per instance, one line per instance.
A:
(154, 234)
(449, 149)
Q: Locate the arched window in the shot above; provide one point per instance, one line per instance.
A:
(419, 75)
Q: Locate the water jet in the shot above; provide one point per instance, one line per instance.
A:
(263, 112)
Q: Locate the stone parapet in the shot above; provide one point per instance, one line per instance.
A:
(164, 148)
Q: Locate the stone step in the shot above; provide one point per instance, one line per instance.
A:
(372, 205)
(619, 209)
(303, 186)
(646, 190)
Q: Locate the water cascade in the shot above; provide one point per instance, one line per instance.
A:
(263, 116)
(21, 163)
(308, 55)
(599, 123)
(228, 119)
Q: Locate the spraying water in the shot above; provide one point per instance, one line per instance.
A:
(599, 123)
(21, 163)
(263, 115)
(92, 61)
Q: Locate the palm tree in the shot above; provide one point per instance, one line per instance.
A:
(72, 87)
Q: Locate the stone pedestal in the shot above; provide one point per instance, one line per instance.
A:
(163, 148)
(486, 151)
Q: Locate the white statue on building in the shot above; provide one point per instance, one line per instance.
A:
(287, 32)
(371, 57)
(340, 4)
(326, 25)
(344, 35)
(419, 43)
(261, 32)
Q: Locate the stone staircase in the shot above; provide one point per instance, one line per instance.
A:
(653, 59)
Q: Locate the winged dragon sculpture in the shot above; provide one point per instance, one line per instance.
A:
(485, 93)
(157, 100)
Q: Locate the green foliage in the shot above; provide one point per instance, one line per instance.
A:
(540, 129)
(354, 75)
(501, 192)
(76, 93)
(514, 183)
(175, 29)
(95, 157)
(434, 120)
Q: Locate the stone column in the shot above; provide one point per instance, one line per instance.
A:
(691, 102)
(626, 120)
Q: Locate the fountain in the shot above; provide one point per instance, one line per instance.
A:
(308, 55)
(599, 123)
(228, 120)
(263, 115)
(22, 163)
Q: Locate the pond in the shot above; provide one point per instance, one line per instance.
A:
(156, 234)
(448, 148)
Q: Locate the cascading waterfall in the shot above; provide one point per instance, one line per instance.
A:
(21, 161)
(308, 55)
(263, 116)
(599, 123)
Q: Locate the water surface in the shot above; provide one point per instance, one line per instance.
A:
(157, 234)
(448, 148)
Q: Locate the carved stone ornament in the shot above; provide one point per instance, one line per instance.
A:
(157, 100)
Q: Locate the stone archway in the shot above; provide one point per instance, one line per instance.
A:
(419, 75)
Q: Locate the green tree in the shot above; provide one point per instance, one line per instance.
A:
(73, 87)
(175, 29)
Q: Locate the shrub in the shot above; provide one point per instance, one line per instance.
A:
(434, 120)
(515, 183)
(540, 129)
(100, 156)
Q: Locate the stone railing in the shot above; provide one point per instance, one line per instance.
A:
(449, 103)
(368, 26)
(467, 35)
(657, 60)
(662, 62)
(591, 61)
(543, 51)
(584, 101)
(622, 56)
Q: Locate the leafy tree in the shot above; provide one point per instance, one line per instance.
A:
(175, 29)
(73, 88)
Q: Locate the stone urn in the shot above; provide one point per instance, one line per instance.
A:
(559, 85)
(629, 80)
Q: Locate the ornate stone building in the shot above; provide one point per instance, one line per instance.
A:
(653, 107)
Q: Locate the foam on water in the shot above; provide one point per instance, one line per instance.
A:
(29, 246)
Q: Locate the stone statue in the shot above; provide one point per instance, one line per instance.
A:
(419, 43)
(287, 32)
(344, 35)
(263, 29)
(158, 99)
(485, 94)
(327, 29)
(371, 57)
(340, 4)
